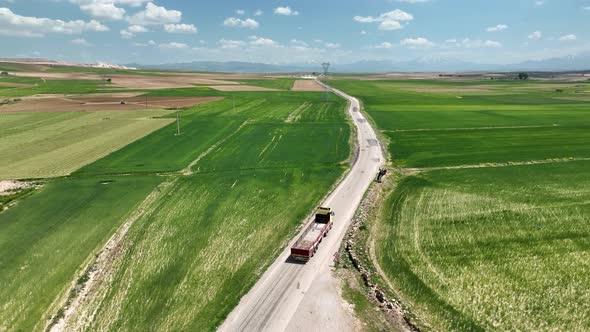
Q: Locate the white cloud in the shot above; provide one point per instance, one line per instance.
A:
(390, 25)
(413, 1)
(258, 12)
(180, 28)
(240, 12)
(173, 45)
(151, 42)
(12, 24)
(286, 11)
(332, 45)
(81, 42)
(491, 43)
(125, 34)
(536, 35)
(363, 32)
(230, 44)
(136, 28)
(259, 41)
(384, 45)
(103, 11)
(417, 42)
(472, 43)
(568, 38)
(298, 42)
(539, 2)
(155, 15)
(387, 21)
(497, 28)
(239, 23)
(131, 31)
(586, 8)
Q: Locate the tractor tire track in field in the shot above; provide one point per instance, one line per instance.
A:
(494, 165)
(291, 296)
(188, 169)
(470, 128)
(97, 272)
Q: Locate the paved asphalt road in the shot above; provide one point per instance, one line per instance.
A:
(301, 297)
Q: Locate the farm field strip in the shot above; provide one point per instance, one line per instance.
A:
(248, 207)
(487, 223)
(53, 146)
(47, 237)
(226, 227)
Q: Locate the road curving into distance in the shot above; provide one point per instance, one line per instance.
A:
(291, 296)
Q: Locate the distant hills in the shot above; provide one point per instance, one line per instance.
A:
(425, 64)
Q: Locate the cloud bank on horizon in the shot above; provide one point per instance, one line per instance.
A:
(302, 31)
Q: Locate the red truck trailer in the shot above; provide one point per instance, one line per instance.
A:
(306, 246)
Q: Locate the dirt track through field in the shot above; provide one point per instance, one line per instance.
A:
(99, 271)
(492, 165)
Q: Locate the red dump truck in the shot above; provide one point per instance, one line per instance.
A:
(308, 243)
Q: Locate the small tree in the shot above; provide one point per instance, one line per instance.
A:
(4, 73)
(523, 76)
(109, 80)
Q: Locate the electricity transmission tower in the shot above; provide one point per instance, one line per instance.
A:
(326, 66)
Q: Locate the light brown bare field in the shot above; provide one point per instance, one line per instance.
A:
(102, 103)
(137, 81)
(306, 85)
(240, 88)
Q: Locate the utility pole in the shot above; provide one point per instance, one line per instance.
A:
(177, 123)
(326, 66)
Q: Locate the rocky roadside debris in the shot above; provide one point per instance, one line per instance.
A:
(390, 306)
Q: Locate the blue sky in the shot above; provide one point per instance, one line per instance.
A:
(295, 31)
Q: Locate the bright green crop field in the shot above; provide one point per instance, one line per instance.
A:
(211, 207)
(46, 238)
(480, 245)
(188, 263)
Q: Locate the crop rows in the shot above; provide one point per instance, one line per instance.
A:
(240, 180)
(492, 248)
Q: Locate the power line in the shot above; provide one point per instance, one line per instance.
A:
(326, 66)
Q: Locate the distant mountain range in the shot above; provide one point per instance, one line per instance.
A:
(425, 64)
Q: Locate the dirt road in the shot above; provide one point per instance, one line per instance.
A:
(302, 297)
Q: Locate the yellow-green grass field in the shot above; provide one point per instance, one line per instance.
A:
(50, 144)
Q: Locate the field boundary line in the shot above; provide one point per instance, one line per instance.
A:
(496, 165)
(187, 170)
(95, 272)
(470, 128)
